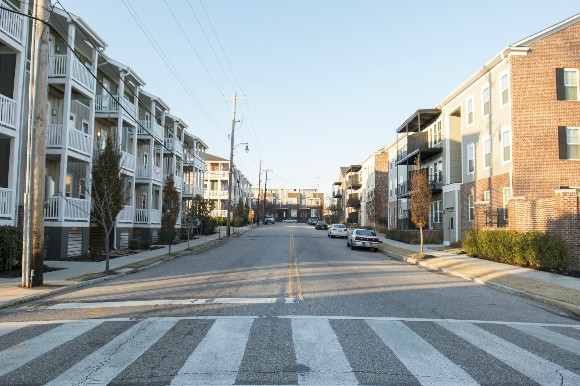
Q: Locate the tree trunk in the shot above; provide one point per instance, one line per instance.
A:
(421, 232)
(107, 232)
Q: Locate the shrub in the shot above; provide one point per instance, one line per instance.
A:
(94, 253)
(382, 229)
(139, 244)
(534, 249)
(10, 247)
(167, 235)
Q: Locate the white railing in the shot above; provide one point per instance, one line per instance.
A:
(219, 213)
(188, 158)
(188, 189)
(57, 65)
(126, 214)
(141, 216)
(79, 141)
(157, 174)
(51, 208)
(12, 24)
(174, 145)
(217, 175)
(54, 135)
(82, 74)
(106, 104)
(5, 202)
(127, 161)
(178, 182)
(155, 216)
(217, 193)
(148, 127)
(77, 209)
(142, 171)
(129, 108)
(7, 111)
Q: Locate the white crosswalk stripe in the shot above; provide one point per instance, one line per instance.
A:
(317, 347)
(428, 365)
(320, 356)
(103, 365)
(539, 369)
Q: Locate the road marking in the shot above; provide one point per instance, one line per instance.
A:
(294, 272)
(217, 358)
(532, 366)
(423, 361)
(13, 358)
(552, 337)
(162, 302)
(317, 347)
(106, 363)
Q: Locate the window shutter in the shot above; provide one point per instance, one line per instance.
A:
(560, 91)
(562, 142)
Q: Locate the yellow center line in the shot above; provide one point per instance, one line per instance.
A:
(290, 281)
(294, 271)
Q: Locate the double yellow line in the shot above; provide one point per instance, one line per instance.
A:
(294, 272)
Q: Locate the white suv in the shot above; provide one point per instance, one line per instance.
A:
(269, 220)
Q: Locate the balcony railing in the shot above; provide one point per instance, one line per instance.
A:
(436, 181)
(148, 127)
(145, 172)
(58, 65)
(174, 145)
(213, 175)
(79, 141)
(12, 24)
(218, 213)
(7, 111)
(126, 214)
(217, 193)
(51, 208)
(5, 203)
(127, 161)
(147, 216)
(108, 104)
(75, 209)
(178, 182)
(188, 189)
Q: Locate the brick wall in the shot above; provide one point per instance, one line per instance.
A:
(536, 115)
(559, 214)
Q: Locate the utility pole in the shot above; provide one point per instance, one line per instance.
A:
(265, 193)
(231, 165)
(259, 192)
(33, 238)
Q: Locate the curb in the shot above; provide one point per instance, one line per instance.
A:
(110, 277)
(513, 291)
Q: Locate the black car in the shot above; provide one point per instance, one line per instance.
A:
(321, 225)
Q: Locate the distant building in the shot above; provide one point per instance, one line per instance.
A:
(217, 182)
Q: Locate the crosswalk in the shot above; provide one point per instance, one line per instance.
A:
(305, 350)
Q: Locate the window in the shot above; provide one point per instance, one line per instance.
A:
(485, 100)
(438, 133)
(507, 194)
(569, 141)
(471, 211)
(436, 212)
(68, 186)
(567, 84)
(487, 196)
(486, 152)
(506, 145)
(470, 158)
(470, 111)
(504, 83)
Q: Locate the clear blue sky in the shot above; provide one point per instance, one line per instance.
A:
(326, 82)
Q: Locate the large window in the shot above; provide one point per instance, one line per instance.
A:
(506, 145)
(471, 208)
(486, 152)
(567, 84)
(436, 212)
(504, 83)
(470, 158)
(507, 194)
(485, 100)
(470, 111)
(573, 142)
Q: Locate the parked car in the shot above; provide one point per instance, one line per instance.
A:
(312, 221)
(321, 225)
(337, 230)
(363, 238)
(289, 220)
(269, 220)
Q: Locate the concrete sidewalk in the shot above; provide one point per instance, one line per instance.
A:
(11, 291)
(558, 290)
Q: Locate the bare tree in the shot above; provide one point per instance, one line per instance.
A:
(420, 199)
(109, 191)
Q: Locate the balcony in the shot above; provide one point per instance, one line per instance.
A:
(417, 146)
(7, 111)
(148, 127)
(178, 182)
(107, 104)
(75, 209)
(403, 188)
(436, 182)
(188, 190)
(126, 214)
(77, 140)
(12, 24)
(146, 172)
(127, 161)
(217, 175)
(5, 203)
(58, 68)
(218, 213)
(175, 146)
(147, 216)
(216, 194)
(353, 182)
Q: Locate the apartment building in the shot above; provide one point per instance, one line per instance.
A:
(374, 188)
(13, 40)
(90, 97)
(217, 182)
(299, 203)
(503, 149)
(339, 194)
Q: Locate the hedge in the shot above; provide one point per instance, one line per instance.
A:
(532, 249)
(10, 247)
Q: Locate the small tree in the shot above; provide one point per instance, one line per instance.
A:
(109, 191)
(200, 214)
(170, 214)
(420, 199)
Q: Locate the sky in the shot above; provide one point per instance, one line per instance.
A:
(326, 82)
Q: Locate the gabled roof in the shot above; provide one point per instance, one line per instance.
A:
(547, 32)
(155, 98)
(214, 158)
(92, 35)
(123, 67)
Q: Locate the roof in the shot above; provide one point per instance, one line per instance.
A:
(96, 39)
(155, 98)
(419, 119)
(214, 158)
(123, 67)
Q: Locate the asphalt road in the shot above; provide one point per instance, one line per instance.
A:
(285, 304)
